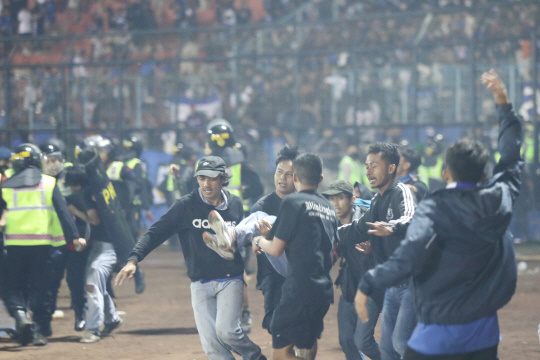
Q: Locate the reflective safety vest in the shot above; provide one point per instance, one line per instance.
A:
(114, 171)
(31, 218)
(432, 172)
(235, 184)
(357, 170)
(9, 173)
(131, 164)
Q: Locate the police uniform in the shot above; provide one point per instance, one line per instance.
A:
(37, 220)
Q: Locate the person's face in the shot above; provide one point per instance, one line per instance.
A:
(378, 172)
(51, 165)
(342, 203)
(104, 156)
(283, 178)
(403, 166)
(210, 187)
(356, 192)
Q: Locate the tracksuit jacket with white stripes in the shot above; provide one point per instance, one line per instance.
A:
(395, 207)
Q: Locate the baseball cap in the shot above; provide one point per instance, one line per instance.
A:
(210, 166)
(338, 187)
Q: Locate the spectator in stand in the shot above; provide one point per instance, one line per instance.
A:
(140, 15)
(6, 25)
(25, 22)
(226, 13)
(243, 15)
(186, 13)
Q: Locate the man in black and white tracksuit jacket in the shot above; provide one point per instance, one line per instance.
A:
(386, 222)
(217, 285)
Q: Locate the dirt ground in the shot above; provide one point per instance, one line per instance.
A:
(159, 324)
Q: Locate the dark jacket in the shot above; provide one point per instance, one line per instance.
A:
(457, 247)
(353, 264)
(396, 207)
(188, 217)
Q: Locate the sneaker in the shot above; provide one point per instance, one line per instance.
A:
(140, 284)
(246, 321)
(221, 229)
(109, 328)
(39, 339)
(211, 241)
(90, 337)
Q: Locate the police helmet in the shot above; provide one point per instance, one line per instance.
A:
(133, 145)
(220, 134)
(25, 156)
(49, 149)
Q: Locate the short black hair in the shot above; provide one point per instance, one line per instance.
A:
(308, 169)
(287, 153)
(412, 156)
(389, 152)
(75, 175)
(466, 160)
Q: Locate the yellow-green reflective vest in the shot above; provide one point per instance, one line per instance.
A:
(357, 170)
(115, 170)
(235, 184)
(432, 172)
(31, 218)
(9, 173)
(529, 149)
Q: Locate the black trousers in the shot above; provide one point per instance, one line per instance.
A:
(27, 274)
(73, 264)
(271, 289)
(485, 354)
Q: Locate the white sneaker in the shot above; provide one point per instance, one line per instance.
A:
(90, 337)
(221, 228)
(211, 241)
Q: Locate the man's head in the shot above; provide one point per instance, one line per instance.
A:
(75, 177)
(307, 171)
(465, 162)
(340, 193)
(409, 161)
(211, 177)
(52, 162)
(283, 177)
(381, 165)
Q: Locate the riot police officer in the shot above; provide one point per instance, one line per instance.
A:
(63, 259)
(37, 219)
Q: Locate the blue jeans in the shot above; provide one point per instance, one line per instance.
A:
(217, 307)
(355, 337)
(398, 321)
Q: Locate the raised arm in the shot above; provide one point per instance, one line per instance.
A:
(508, 169)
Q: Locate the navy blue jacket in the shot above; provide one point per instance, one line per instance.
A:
(457, 247)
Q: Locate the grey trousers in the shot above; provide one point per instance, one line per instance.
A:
(100, 305)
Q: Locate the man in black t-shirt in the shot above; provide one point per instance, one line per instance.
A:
(306, 230)
(216, 283)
